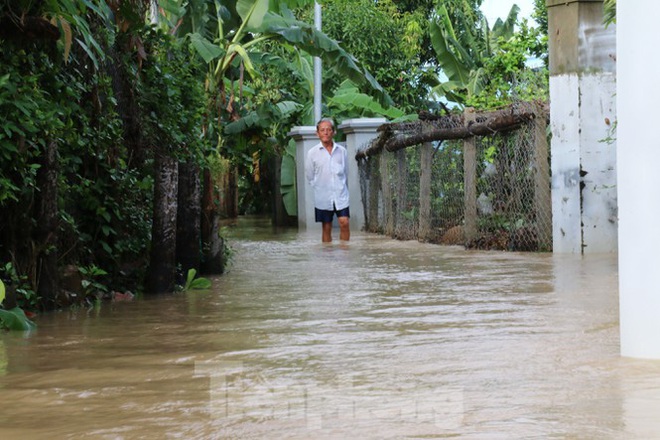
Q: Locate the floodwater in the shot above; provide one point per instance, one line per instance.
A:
(377, 339)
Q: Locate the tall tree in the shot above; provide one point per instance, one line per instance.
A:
(162, 263)
(170, 103)
(387, 41)
(38, 103)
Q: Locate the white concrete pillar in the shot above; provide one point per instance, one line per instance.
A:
(582, 109)
(638, 168)
(358, 134)
(306, 138)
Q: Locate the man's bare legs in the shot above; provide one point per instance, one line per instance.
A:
(344, 230)
(326, 236)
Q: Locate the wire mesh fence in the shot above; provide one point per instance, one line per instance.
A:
(484, 192)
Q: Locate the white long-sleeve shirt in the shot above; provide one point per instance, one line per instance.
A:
(328, 175)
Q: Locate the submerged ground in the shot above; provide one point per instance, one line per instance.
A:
(376, 339)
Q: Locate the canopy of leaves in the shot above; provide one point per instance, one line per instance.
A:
(386, 41)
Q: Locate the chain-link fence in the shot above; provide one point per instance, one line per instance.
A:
(485, 192)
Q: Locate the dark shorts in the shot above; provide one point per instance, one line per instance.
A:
(325, 216)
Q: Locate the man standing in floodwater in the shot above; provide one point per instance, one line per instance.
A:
(326, 169)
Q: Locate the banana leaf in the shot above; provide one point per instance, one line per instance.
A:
(15, 319)
(288, 179)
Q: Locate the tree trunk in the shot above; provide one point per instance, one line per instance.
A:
(231, 210)
(212, 243)
(188, 221)
(162, 268)
(127, 107)
(45, 232)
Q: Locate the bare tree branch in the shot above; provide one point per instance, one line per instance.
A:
(395, 137)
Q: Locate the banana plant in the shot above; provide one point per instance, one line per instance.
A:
(196, 283)
(461, 55)
(227, 34)
(348, 99)
(288, 179)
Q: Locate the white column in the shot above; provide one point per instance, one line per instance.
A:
(638, 168)
(582, 109)
(306, 138)
(358, 133)
(566, 202)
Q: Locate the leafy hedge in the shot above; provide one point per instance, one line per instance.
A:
(105, 183)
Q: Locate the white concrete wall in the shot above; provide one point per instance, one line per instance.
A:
(638, 168)
(582, 109)
(599, 195)
(583, 163)
(565, 152)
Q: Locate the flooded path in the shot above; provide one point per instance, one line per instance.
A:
(379, 339)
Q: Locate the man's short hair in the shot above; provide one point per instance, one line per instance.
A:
(332, 123)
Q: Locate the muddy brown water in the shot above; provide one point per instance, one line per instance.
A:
(379, 339)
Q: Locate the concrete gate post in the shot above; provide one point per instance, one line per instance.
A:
(306, 138)
(582, 111)
(358, 133)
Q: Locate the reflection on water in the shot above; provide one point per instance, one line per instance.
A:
(378, 339)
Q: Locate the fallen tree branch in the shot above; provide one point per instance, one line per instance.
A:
(395, 137)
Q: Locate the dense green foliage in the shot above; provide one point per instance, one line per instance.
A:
(386, 40)
(171, 97)
(540, 15)
(508, 77)
(53, 94)
(487, 67)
